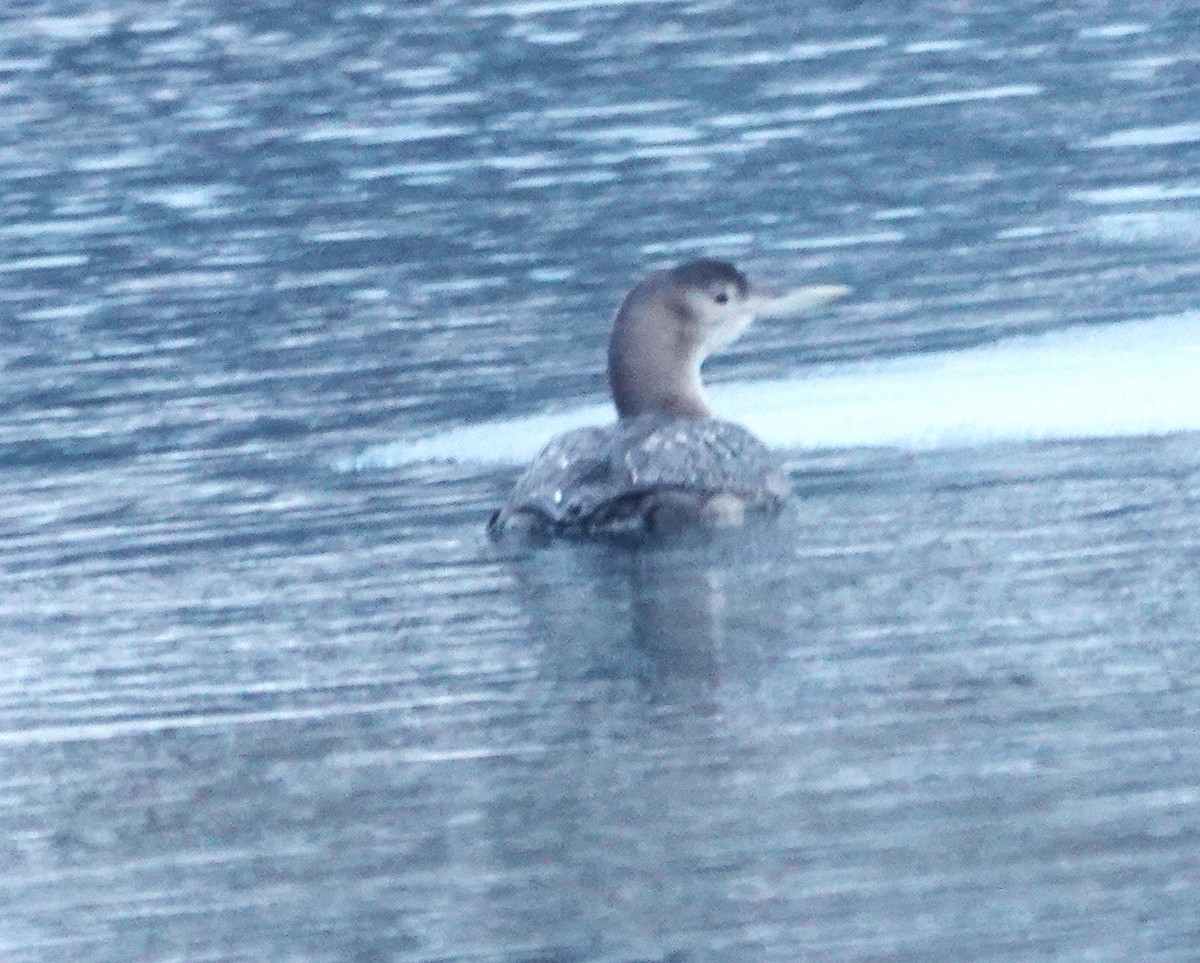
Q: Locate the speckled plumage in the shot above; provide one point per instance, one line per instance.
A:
(616, 478)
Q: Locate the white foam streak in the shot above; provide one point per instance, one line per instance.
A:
(1150, 136)
(1141, 377)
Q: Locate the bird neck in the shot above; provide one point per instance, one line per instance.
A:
(651, 377)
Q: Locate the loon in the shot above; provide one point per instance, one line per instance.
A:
(667, 463)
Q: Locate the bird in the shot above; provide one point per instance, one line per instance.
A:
(666, 463)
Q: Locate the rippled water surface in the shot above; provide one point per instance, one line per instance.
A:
(260, 706)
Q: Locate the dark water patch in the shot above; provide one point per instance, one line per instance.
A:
(64, 452)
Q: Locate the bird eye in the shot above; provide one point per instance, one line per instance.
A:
(721, 297)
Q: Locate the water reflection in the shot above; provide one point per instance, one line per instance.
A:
(661, 614)
(677, 624)
(619, 824)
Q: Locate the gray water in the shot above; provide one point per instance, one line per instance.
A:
(259, 708)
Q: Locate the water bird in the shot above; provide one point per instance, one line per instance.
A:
(666, 463)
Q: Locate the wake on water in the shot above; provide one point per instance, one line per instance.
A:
(1139, 377)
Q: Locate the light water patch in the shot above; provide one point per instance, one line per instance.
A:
(1142, 68)
(672, 153)
(65, 312)
(530, 8)
(828, 111)
(116, 161)
(940, 46)
(427, 170)
(521, 162)
(422, 78)
(802, 51)
(898, 214)
(639, 134)
(722, 243)
(432, 289)
(1135, 378)
(820, 87)
(512, 440)
(47, 262)
(1027, 231)
(176, 281)
(188, 197)
(383, 135)
(793, 123)
(1129, 379)
(15, 65)
(590, 114)
(79, 29)
(550, 275)
(848, 240)
(557, 180)
(1139, 193)
(1149, 227)
(1113, 31)
(546, 38)
(345, 277)
(1150, 136)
